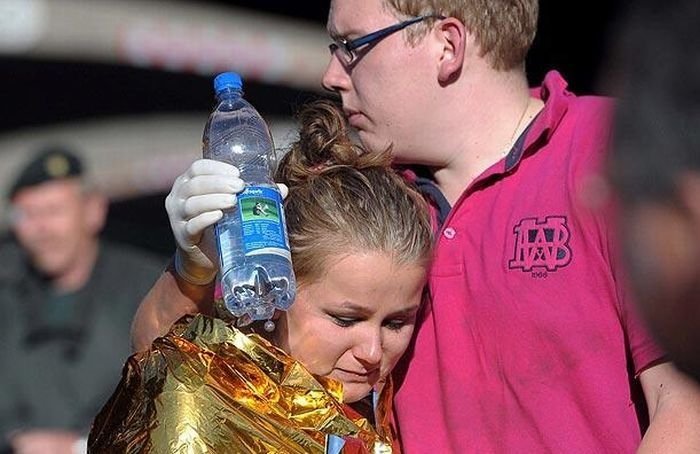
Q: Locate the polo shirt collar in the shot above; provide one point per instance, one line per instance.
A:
(556, 102)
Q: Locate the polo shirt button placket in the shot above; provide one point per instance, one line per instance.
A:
(449, 233)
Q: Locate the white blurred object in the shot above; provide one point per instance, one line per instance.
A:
(170, 35)
(22, 24)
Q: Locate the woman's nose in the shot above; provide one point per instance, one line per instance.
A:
(369, 347)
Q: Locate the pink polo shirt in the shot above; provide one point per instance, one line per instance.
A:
(528, 343)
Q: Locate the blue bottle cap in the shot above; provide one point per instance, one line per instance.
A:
(227, 80)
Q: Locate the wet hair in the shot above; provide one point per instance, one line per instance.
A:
(504, 29)
(344, 200)
(657, 124)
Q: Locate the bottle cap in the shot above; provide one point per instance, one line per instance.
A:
(227, 80)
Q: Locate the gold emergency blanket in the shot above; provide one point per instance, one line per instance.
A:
(207, 387)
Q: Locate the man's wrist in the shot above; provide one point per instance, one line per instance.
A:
(200, 295)
(202, 279)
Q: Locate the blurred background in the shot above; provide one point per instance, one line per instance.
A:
(127, 83)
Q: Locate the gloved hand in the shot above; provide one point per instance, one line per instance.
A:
(195, 203)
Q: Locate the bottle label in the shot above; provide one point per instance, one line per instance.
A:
(262, 221)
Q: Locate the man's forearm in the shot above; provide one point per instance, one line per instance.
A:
(169, 299)
(674, 412)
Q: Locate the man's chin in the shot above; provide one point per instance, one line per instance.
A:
(48, 267)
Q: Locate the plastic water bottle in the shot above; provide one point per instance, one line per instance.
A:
(256, 273)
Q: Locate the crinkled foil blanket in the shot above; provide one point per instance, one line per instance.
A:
(207, 387)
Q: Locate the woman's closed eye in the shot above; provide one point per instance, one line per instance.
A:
(396, 324)
(393, 324)
(344, 321)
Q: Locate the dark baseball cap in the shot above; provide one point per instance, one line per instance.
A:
(50, 163)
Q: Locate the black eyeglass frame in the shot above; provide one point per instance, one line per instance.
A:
(349, 46)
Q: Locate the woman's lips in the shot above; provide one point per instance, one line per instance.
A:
(353, 375)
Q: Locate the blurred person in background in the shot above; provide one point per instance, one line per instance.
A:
(656, 168)
(67, 300)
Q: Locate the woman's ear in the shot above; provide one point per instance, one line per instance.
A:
(454, 39)
(279, 335)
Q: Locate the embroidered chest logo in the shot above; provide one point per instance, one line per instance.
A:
(541, 244)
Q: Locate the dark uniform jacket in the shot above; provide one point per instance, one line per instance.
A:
(61, 357)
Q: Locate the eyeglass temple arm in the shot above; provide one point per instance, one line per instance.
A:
(352, 45)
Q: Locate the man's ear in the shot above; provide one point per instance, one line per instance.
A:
(689, 193)
(96, 206)
(454, 38)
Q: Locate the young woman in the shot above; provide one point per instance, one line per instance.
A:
(361, 244)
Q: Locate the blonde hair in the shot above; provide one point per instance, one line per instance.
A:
(504, 29)
(345, 200)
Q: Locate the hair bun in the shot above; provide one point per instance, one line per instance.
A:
(324, 143)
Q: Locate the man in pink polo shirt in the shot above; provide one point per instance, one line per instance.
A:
(527, 342)
(528, 339)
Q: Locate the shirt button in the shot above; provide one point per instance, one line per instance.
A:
(449, 233)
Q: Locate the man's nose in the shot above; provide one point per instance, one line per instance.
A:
(336, 77)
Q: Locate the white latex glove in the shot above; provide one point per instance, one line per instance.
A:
(195, 203)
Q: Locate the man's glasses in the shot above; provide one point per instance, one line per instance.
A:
(346, 50)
